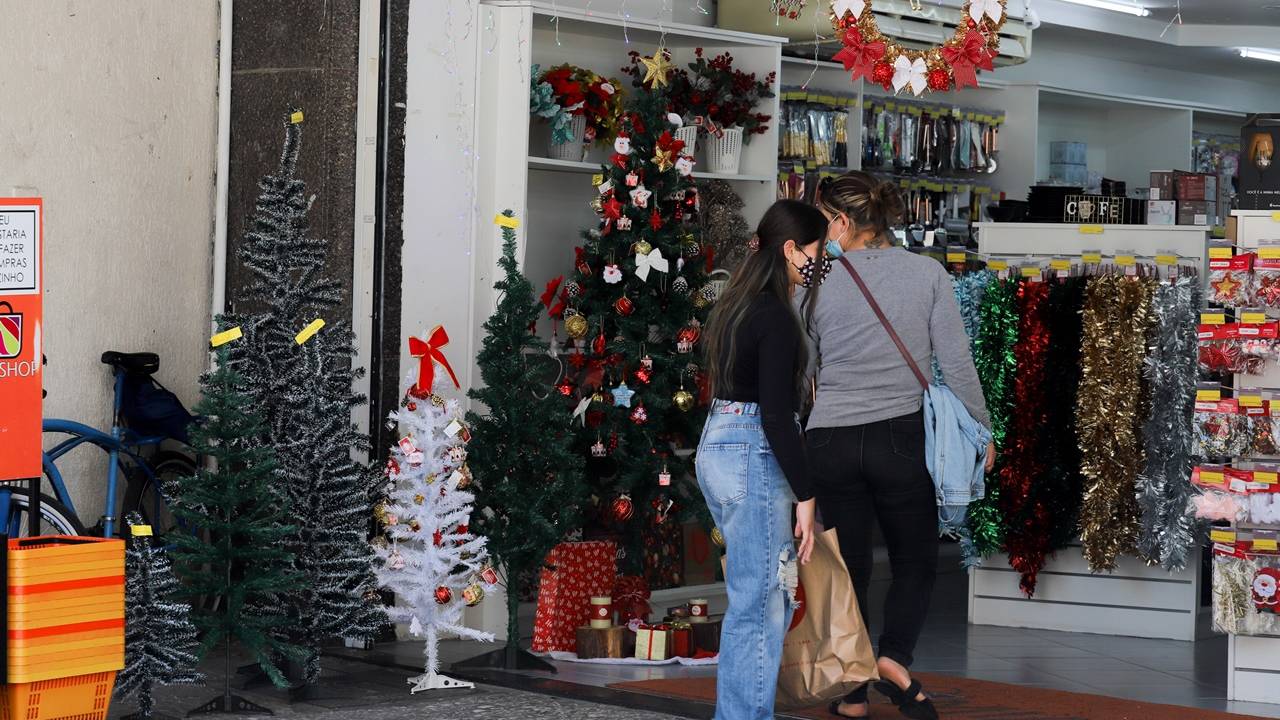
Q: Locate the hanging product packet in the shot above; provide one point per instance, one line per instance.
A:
(1257, 411)
(1217, 350)
(1216, 501)
(1257, 339)
(1265, 288)
(1246, 583)
(1264, 497)
(1221, 431)
(1230, 283)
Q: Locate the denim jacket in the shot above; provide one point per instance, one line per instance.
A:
(955, 449)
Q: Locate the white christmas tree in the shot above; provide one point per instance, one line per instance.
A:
(431, 560)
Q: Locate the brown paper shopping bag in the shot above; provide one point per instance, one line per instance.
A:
(827, 652)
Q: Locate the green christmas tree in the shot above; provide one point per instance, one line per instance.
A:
(527, 477)
(634, 307)
(160, 642)
(237, 559)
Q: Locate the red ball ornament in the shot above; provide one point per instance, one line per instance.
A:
(565, 388)
(622, 508)
(598, 345)
(443, 595)
(412, 406)
(882, 73)
(624, 306)
(939, 79)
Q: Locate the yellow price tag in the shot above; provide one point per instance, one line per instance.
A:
(1250, 400)
(1059, 264)
(506, 221)
(1031, 272)
(597, 179)
(1212, 318)
(1223, 536)
(1212, 477)
(1220, 253)
(226, 336)
(1091, 229)
(140, 530)
(1269, 252)
(1166, 259)
(1275, 216)
(1206, 395)
(1093, 258)
(1268, 544)
(1266, 477)
(1253, 318)
(997, 265)
(295, 117)
(955, 257)
(309, 331)
(1126, 260)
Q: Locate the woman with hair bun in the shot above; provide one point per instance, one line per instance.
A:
(865, 434)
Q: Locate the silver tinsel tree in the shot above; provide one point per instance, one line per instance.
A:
(301, 381)
(160, 642)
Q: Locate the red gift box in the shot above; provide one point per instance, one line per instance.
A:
(572, 574)
(631, 598)
(681, 640)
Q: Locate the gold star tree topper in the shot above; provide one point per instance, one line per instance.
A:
(657, 68)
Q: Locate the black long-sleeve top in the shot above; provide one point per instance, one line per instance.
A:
(764, 372)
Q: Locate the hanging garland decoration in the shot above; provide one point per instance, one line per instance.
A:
(1063, 488)
(869, 53)
(1169, 528)
(996, 365)
(1026, 521)
(1117, 317)
(968, 288)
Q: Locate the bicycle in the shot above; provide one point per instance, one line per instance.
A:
(140, 457)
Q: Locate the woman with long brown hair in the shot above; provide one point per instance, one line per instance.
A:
(866, 431)
(751, 463)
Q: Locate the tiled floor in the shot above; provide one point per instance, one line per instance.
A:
(1164, 671)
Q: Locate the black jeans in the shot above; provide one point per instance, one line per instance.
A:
(878, 470)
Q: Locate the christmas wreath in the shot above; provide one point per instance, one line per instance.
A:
(869, 53)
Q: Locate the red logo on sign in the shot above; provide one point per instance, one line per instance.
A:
(10, 331)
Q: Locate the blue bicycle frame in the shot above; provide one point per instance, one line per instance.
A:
(120, 445)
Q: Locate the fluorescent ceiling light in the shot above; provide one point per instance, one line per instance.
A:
(1112, 5)
(1259, 54)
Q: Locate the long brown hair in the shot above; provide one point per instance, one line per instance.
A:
(763, 271)
(870, 204)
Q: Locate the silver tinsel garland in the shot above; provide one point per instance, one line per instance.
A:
(1168, 530)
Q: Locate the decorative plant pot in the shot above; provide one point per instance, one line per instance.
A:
(573, 150)
(689, 135)
(724, 153)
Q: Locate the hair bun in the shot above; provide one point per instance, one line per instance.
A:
(888, 201)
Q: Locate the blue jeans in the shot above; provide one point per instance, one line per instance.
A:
(750, 500)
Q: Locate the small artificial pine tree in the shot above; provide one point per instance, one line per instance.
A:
(160, 643)
(238, 560)
(435, 565)
(528, 478)
(634, 307)
(300, 380)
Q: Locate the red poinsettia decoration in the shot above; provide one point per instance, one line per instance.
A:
(858, 55)
(568, 89)
(669, 144)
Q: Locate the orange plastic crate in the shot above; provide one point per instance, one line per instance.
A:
(79, 697)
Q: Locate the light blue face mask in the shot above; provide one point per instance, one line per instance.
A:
(834, 249)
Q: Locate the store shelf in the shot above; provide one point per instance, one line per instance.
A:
(1188, 241)
(590, 168)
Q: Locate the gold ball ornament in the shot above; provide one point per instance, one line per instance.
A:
(419, 499)
(472, 595)
(642, 248)
(700, 301)
(717, 537)
(576, 326)
(683, 399)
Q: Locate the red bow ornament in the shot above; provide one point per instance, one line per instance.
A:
(860, 56)
(428, 353)
(965, 59)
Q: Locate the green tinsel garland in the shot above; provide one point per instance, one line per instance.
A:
(993, 356)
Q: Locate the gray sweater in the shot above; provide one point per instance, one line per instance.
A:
(861, 376)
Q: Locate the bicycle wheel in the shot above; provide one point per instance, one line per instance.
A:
(146, 494)
(55, 518)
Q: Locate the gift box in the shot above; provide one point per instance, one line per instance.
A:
(573, 573)
(631, 599)
(1162, 185)
(706, 636)
(681, 640)
(601, 642)
(1196, 212)
(1162, 212)
(652, 642)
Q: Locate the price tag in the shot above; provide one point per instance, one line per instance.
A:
(1222, 536)
(226, 336)
(1212, 477)
(1220, 253)
(1166, 260)
(309, 331)
(1209, 395)
(1091, 229)
(1269, 252)
(1060, 264)
(997, 265)
(1266, 477)
(295, 117)
(1126, 260)
(1249, 400)
(1212, 318)
(506, 222)
(145, 530)
(1275, 216)
(1031, 271)
(1253, 317)
(1093, 257)
(1265, 544)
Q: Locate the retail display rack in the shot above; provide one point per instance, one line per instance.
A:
(1135, 600)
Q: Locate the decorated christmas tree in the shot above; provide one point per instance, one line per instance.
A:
(633, 307)
(160, 643)
(238, 562)
(296, 359)
(528, 478)
(434, 563)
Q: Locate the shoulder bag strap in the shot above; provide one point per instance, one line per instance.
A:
(893, 335)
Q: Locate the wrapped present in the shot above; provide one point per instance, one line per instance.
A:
(706, 636)
(681, 639)
(631, 598)
(652, 642)
(572, 575)
(601, 642)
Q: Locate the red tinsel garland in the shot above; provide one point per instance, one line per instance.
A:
(1027, 520)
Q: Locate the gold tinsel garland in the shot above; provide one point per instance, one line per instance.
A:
(1117, 318)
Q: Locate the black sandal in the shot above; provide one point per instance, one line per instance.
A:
(834, 707)
(906, 700)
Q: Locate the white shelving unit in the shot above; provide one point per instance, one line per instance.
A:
(1135, 600)
(551, 197)
(1253, 662)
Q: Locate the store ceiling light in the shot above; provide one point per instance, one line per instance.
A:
(1114, 6)
(1255, 54)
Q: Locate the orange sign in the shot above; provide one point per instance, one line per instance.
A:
(21, 359)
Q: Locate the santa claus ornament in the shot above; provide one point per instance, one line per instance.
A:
(1264, 591)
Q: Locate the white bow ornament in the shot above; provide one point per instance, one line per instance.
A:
(991, 8)
(907, 72)
(653, 260)
(840, 7)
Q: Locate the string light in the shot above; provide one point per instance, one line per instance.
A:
(817, 40)
(622, 10)
(555, 18)
(1177, 18)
